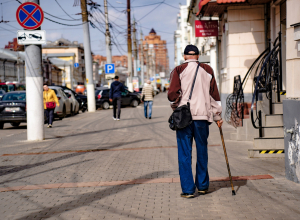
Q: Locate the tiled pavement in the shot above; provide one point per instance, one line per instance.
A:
(132, 149)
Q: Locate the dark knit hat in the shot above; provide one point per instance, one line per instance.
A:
(191, 50)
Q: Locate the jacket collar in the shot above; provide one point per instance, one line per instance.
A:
(191, 60)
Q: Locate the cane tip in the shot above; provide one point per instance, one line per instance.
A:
(233, 193)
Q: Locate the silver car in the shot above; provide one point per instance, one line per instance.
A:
(64, 107)
(74, 102)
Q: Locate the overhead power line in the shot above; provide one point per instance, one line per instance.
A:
(151, 10)
(65, 11)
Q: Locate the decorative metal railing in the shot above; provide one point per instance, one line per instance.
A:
(267, 77)
(267, 80)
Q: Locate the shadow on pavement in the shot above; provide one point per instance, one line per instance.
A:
(16, 128)
(86, 199)
(93, 132)
(28, 166)
(215, 186)
(68, 165)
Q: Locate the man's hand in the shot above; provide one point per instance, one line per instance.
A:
(219, 123)
(110, 100)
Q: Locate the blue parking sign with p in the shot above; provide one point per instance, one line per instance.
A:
(109, 68)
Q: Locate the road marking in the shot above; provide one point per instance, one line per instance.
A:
(125, 182)
(94, 150)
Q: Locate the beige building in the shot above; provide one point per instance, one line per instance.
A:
(75, 54)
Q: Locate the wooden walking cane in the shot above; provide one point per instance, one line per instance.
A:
(226, 158)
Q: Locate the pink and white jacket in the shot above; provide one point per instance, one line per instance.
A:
(205, 102)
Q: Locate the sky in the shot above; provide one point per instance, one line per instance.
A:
(159, 14)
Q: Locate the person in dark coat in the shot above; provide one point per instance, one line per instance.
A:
(115, 94)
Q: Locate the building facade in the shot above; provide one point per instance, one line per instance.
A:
(75, 52)
(158, 51)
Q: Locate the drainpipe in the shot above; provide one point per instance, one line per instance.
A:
(266, 26)
(218, 66)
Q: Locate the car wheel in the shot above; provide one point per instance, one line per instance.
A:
(1, 125)
(71, 111)
(64, 112)
(15, 124)
(134, 103)
(105, 105)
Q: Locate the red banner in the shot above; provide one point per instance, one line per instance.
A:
(206, 28)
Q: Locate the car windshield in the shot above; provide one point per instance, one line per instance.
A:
(4, 87)
(11, 88)
(14, 97)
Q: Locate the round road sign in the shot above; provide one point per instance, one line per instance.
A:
(30, 15)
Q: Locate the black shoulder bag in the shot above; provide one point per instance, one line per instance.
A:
(182, 116)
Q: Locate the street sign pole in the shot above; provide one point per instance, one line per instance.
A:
(88, 59)
(34, 90)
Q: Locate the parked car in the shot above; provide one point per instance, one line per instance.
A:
(2, 92)
(13, 108)
(80, 89)
(82, 99)
(74, 102)
(65, 105)
(128, 98)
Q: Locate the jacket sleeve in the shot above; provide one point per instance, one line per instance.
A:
(216, 109)
(123, 88)
(175, 86)
(110, 91)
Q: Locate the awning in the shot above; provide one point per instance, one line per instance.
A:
(215, 8)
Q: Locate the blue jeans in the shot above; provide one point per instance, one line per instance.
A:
(49, 115)
(198, 130)
(146, 103)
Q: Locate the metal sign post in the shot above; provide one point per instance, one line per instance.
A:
(30, 16)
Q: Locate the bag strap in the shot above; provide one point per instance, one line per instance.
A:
(193, 83)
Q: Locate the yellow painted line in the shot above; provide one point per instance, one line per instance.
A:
(264, 151)
(279, 152)
(272, 151)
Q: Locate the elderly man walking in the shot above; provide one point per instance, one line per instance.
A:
(205, 108)
(147, 94)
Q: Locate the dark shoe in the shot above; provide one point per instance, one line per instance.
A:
(149, 117)
(146, 117)
(187, 195)
(202, 192)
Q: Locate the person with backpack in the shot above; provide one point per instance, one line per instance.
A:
(193, 84)
(147, 98)
(115, 94)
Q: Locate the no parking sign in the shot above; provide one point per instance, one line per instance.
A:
(30, 15)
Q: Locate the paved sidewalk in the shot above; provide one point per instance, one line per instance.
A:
(92, 167)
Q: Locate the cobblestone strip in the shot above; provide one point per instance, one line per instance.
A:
(126, 182)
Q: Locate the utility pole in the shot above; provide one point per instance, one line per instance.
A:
(147, 61)
(134, 48)
(107, 35)
(142, 59)
(129, 46)
(88, 59)
(34, 90)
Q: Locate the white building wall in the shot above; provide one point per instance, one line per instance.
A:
(242, 43)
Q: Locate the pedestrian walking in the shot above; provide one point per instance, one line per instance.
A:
(115, 95)
(205, 107)
(50, 102)
(147, 98)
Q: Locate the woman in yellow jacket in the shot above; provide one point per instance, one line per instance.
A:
(49, 97)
